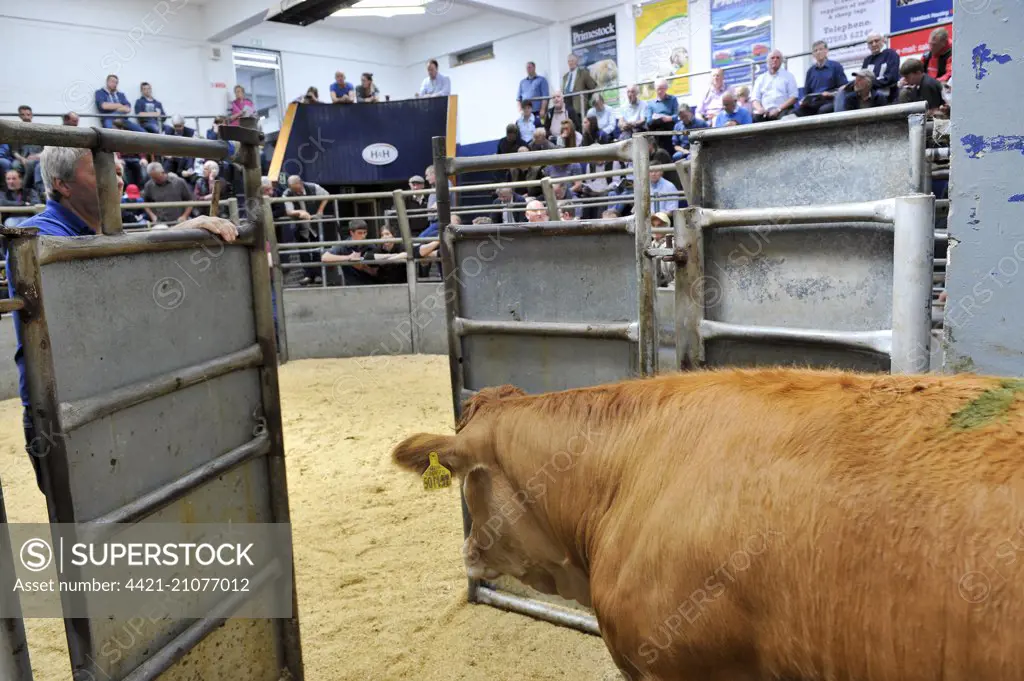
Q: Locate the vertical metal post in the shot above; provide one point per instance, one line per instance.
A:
(683, 170)
(694, 193)
(549, 198)
(451, 309)
(920, 173)
(410, 265)
(913, 261)
(14, 659)
(689, 294)
(276, 279)
(647, 353)
(270, 390)
(232, 209)
(107, 192)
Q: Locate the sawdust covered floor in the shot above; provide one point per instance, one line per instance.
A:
(381, 590)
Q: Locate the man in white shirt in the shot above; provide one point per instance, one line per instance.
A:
(633, 114)
(775, 91)
(434, 85)
(605, 117)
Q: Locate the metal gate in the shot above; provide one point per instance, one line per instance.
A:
(798, 250)
(151, 366)
(546, 306)
(14, 659)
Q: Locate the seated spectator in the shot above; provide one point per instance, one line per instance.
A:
(743, 98)
(633, 115)
(16, 195)
(356, 275)
(70, 118)
(712, 103)
(389, 274)
(204, 187)
(864, 94)
(592, 133)
(312, 96)
(109, 100)
(563, 170)
(687, 122)
(884, 63)
(6, 159)
(241, 107)
(731, 113)
(214, 132)
(26, 156)
(568, 137)
(510, 207)
(568, 212)
(564, 193)
(536, 212)
(560, 110)
(435, 84)
(532, 173)
(181, 165)
(132, 216)
(510, 143)
(823, 80)
(540, 141)
(342, 91)
(938, 60)
(775, 91)
(366, 91)
(533, 87)
(605, 117)
(662, 187)
(165, 187)
(528, 121)
(661, 113)
(920, 87)
(150, 112)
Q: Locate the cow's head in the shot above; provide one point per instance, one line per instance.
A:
(510, 534)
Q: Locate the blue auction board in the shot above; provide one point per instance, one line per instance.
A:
(911, 14)
(354, 144)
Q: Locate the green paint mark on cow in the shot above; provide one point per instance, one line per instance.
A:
(987, 407)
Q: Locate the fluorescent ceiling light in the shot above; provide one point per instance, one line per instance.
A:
(256, 64)
(383, 8)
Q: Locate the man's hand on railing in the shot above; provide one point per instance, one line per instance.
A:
(225, 229)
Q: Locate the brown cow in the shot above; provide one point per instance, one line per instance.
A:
(761, 524)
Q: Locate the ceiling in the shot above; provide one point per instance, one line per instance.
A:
(403, 26)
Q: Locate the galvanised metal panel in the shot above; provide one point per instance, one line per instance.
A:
(428, 315)
(590, 278)
(804, 166)
(348, 321)
(721, 352)
(541, 364)
(118, 458)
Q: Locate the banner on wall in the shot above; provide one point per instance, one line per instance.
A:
(663, 45)
(595, 44)
(847, 21)
(741, 32)
(915, 43)
(908, 14)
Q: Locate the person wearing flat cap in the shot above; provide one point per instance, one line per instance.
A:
(861, 93)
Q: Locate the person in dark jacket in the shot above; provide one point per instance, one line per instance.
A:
(510, 143)
(511, 207)
(16, 195)
(884, 63)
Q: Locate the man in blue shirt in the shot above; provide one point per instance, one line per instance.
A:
(687, 122)
(884, 62)
(435, 84)
(823, 80)
(731, 114)
(342, 91)
(150, 111)
(72, 210)
(534, 86)
(109, 100)
(661, 113)
(660, 187)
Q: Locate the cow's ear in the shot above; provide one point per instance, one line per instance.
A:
(413, 453)
(486, 397)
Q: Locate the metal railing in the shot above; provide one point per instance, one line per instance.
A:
(161, 120)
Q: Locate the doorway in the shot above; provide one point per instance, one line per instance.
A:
(259, 72)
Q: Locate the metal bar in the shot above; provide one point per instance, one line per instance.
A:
(452, 308)
(276, 279)
(940, 174)
(866, 211)
(689, 295)
(107, 192)
(347, 197)
(468, 188)
(410, 266)
(551, 202)
(913, 265)
(345, 242)
(14, 656)
(938, 154)
(683, 170)
(537, 610)
(647, 341)
(58, 249)
(137, 509)
(23, 210)
(941, 235)
(164, 659)
(920, 177)
(106, 139)
(290, 639)
(874, 341)
(76, 414)
(617, 151)
(167, 204)
(611, 331)
(839, 119)
(11, 304)
(575, 227)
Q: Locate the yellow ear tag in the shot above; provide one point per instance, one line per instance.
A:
(436, 476)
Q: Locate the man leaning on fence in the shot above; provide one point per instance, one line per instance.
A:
(304, 211)
(73, 210)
